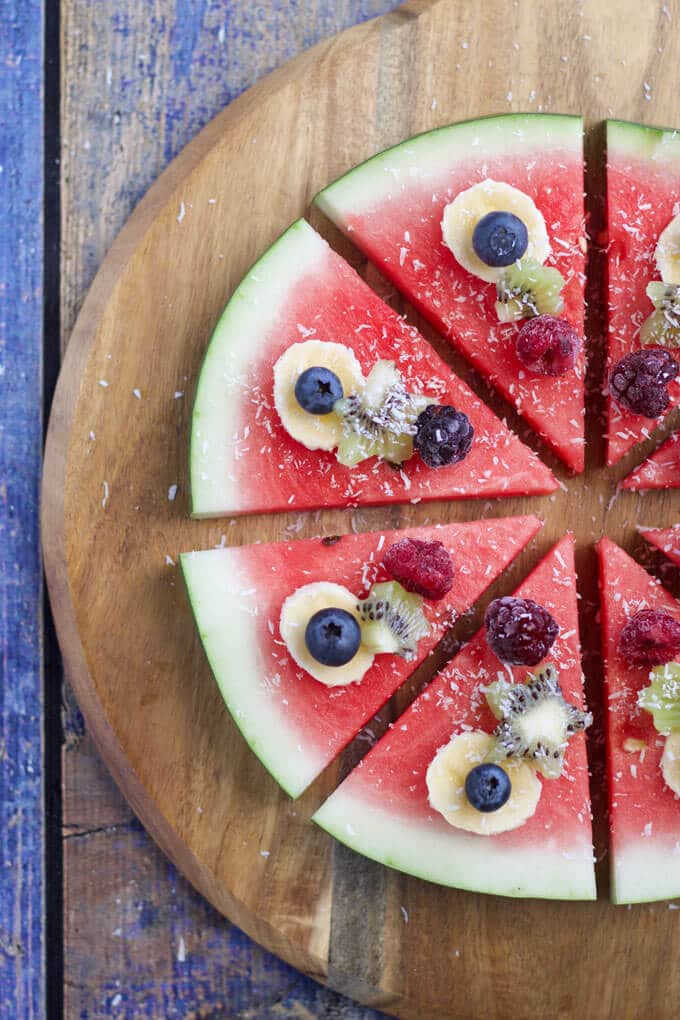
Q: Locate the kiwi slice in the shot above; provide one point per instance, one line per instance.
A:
(392, 620)
(662, 327)
(379, 420)
(662, 697)
(527, 289)
(536, 722)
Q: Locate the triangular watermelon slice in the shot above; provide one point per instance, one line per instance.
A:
(644, 814)
(293, 723)
(243, 461)
(661, 470)
(382, 809)
(643, 188)
(391, 208)
(665, 539)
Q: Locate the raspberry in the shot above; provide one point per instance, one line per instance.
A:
(547, 346)
(650, 638)
(422, 567)
(443, 435)
(639, 381)
(519, 631)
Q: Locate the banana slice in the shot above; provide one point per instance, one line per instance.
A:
(446, 786)
(668, 252)
(463, 214)
(670, 761)
(315, 431)
(296, 613)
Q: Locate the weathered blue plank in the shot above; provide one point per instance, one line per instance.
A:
(21, 784)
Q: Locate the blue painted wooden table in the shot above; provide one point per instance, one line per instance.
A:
(93, 920)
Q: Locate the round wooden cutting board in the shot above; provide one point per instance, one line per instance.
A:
(116, 503)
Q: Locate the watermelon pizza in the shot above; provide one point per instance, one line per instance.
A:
(661, 470)
(301, 316)
(640, 644)
(481, 225)
(252, 605)
(643, 190)
(384, 809)
(665, 539)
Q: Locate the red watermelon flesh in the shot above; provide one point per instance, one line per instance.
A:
(382, 808)
(243, 460)
(295, 724)
(661, 470)
(644, 814)
(643, 191)
(391, 208)
(665, 539)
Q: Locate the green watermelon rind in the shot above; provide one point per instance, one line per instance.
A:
(269, 280)
(420, 849)
(438, 150)
(643, 141)
(228, 635)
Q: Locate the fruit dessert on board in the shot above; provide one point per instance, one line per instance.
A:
(641, 651)
(661, 470)
(643, 269)
(665, 539)
(314, 393)
(308, 639)
(481, 226)
(482, 783)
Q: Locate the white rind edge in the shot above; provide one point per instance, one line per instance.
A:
(643, 872)
(457, 859)
(223, 381)
(431, 154)
(225, 609)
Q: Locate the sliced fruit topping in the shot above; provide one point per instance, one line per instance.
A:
(487, 787)
(472, 207)
(499, 239)
(425, 568)
(316, 430)
(447, 777)
(668, 252)
(662, 327)
(519, 631)
(443, 435)
(536, 721)
(309, 603)
(317, 390)
(639, 381)
(333, 637)
(662, 697)
(547, 346)
(378, 418)
(392, 620)
(670, 762)
(650, 638)
(528, 289)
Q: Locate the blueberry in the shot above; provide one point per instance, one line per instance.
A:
(500, 238)
(333, 637)
(317, 389)
(487, 787)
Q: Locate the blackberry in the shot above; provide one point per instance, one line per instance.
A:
(443, 435)
(519, 631)
(639, 382)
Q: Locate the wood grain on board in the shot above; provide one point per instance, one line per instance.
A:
(109, 524)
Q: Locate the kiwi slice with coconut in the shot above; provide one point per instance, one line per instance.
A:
(378, 418)
(527, 289)
(662, 697)
(536, 721)
(662, 327)
(392, 620)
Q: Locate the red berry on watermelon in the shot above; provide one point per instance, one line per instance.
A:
(421, 567)
(547, 345)
(650, 638)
